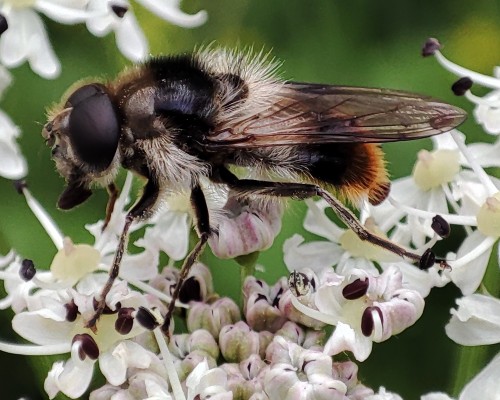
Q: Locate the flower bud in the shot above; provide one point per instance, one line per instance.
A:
(212, 317)
(200, 340)
(260, 304)
(249, 225)
(238, 342)
(246, 378)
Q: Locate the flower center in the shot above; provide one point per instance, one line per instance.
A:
(74, 261)
(435, 168)
(488, 217)
(179, 202)
(20, 3)
(361, 248)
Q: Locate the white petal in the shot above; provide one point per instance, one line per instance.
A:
(26, 39)
(486, 154)
(486, 385)
(12, 163)
(468, 276)
(130, 38)
(169, 10)
(317, 222)
(63, 14)
(344, 338)
(314, 255)
(170, 234)
(436, 396)
(476, 322)
(72, 380)
(124, 355)
(142, 266)
(37, 329)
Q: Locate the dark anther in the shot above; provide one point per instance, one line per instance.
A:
(3, 24)
(461, 86)
(356, 289)
(190, 290)
(367, 322)
(430, 47)
(427, 260)
(71, 311)
(88, 346)
(125, 320)
(28, 270)
(119, 10)
(20, 185)
(260, 297)
(146, 318)
(440, 226)
(277, 298)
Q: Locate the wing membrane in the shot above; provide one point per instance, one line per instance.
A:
(319, 114)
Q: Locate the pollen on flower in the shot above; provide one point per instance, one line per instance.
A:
(74, 261)
(436, 168)
(359, 248)
(179, 202)
(488, 217)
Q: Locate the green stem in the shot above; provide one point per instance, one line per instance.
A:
(247, 263)
(470, 360)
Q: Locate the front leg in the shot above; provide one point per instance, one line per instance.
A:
(199, 204)
(140, 210)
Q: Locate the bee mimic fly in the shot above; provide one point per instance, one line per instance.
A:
(178, 120)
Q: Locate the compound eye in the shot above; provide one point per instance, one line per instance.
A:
(94, 127)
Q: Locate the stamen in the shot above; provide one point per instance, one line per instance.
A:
(485, 245)
(478, 170)
(28, 270)
(125, 321)
(427, 261)
(430, 47)
(450, 218)
(440, 226)
(315, 314)
(484, 80)
(356, 289)
(149, 289)
(146, 319)
(190, 290)
(461, 86)
(45, 220)
(3, 24)
(87, 347)
(71, 311)
(454, 205)
(173, 378)
(119, 10)
(367, 320)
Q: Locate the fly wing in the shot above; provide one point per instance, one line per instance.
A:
(315, 113)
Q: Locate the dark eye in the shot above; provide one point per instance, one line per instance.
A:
(94, 127)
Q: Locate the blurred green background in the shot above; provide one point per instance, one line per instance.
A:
(360, 42)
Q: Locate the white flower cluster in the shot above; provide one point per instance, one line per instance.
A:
(451, 182)
(279, 348)
(23, 38)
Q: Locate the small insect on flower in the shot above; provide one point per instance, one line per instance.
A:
(180, 120)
